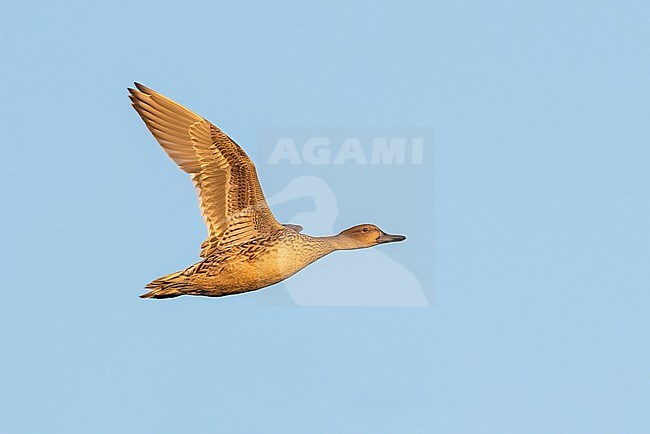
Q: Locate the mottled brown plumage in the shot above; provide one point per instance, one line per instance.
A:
(246, 248)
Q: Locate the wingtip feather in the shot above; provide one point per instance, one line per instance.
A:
(144, 89)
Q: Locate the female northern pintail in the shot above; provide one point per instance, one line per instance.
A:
(246, 248)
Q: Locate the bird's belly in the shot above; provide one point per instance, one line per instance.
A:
(243, 274)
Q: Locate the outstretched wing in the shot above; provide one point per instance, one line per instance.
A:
(230, 196)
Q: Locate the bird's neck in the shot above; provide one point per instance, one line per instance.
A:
(339, 242)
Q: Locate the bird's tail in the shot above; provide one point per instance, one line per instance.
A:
(169, 286)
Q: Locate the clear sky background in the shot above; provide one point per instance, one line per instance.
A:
(539, 322)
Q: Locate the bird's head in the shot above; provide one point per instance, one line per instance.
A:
(366, 235)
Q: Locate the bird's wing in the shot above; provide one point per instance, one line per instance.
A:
(230, 196)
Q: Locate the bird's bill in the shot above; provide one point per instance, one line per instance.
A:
(388, 238)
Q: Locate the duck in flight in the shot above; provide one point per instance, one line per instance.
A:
(246, 248)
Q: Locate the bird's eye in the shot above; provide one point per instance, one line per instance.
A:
(365, 229)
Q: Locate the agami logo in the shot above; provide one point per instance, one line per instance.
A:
(325, 178)
(351, 150)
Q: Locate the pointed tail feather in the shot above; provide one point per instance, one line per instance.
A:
(169, 286)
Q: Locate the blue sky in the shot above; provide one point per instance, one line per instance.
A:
(539, 320)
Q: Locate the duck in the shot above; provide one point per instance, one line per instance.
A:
(246, 248)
